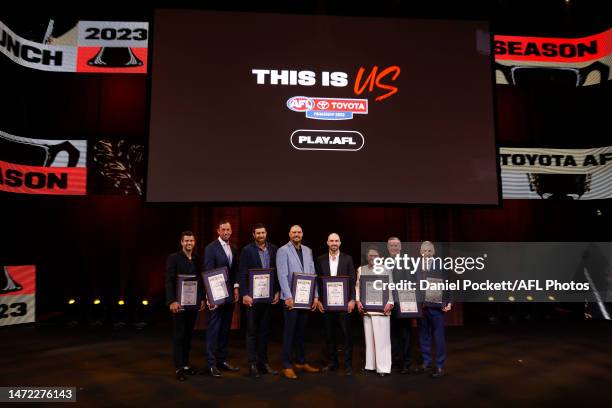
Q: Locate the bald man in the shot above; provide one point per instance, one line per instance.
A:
(336, 263)
(293, 257)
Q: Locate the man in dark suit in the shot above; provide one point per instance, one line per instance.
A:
(403, 340)
(431, 324)
(218, 254)
(257, 255)
(183, 262)
(336, 263)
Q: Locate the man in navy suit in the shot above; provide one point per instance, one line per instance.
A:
(257, 255)
(218, 254)
(336, 263)
(293, 257)
(432, 322)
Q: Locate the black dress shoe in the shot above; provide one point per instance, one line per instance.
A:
(438, 373)
(383, 374)
(348, 371)
(225, 366)
(330, 367)
(191, 371)
(421, 369)
(253, 371)
(181, 375)
(405, 369)
(366, 371)
(266, 369)
(214, 371)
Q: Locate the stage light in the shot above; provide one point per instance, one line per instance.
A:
(551, 297)
(491, 298)
(96, 313)
(72, 312)
(143, 315)
(529, 298)
(511, 298)
(120, 314)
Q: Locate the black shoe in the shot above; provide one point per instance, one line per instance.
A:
(253, 371)
(214, 371)
(366, 371)
(191, 371)
(437, 373)
(330, 367)
(405, 369)
(348, 371)
(225, 366)
(421, 368)
(181, 375)
(266, 369)
(383, 374)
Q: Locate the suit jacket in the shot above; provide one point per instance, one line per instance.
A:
(345, 268)
(178, 264)
(249, 259)
(214, 257)
(288, 263)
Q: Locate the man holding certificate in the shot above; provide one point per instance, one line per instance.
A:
(335, 263)
(295, 265)
(259, 255)
(431, 325)
(184, 287)
(219, 254)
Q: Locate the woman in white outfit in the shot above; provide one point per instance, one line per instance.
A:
(376, 325)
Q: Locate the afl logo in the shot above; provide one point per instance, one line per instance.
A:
(300, 104)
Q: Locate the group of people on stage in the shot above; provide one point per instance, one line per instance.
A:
(294, 257)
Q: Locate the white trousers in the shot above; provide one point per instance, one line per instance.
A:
(378, 343)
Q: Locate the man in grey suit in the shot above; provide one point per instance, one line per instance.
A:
(291, 258)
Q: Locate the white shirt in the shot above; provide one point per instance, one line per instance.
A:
(228, 250)
(333, 264)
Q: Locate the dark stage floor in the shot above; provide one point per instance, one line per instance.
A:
(560, 364)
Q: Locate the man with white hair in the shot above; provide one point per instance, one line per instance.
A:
(431, 325)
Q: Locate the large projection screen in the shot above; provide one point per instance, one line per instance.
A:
(255, 107)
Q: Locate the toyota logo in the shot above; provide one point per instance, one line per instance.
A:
(323, 104)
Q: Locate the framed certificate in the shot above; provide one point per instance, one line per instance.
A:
(334, 292)
(302, 289)
(408, 304)
(433, 296)
(261, 285)
(188, 295)
(372, 296)
(216, 283)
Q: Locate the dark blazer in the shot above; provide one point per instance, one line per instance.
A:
(214, 257)
(345, 268)
(249, 259)
(178, 264)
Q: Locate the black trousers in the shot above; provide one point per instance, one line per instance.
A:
(332, 320)
(402, 341)
(257, 333)
(182, 331)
